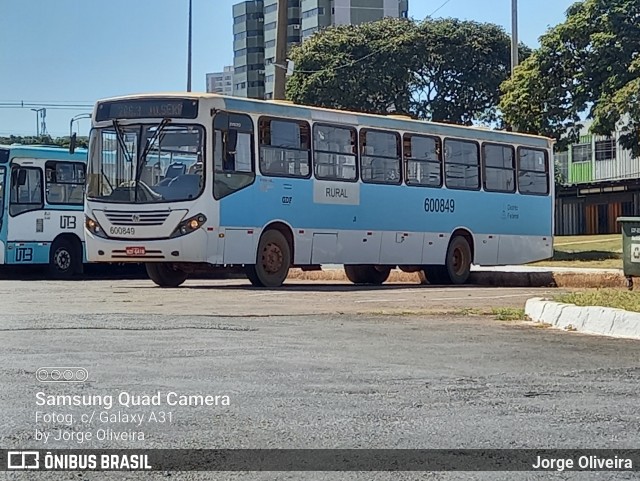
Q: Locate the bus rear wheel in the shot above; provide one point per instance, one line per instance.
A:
(65, 258)
(367, 274)
(165, 275)
(273, 260)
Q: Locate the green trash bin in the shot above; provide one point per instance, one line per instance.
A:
(630, 248)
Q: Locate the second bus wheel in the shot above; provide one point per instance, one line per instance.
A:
(165, 275)
(367, 274)
(458, 261)
(272, 260)
(65, 258)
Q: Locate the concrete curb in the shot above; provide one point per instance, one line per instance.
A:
(535, 278)
(603, 321)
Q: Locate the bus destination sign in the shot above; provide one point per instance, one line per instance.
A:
(147, 108)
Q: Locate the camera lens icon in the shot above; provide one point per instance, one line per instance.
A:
(62, 374)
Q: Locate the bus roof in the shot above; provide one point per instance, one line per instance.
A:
(392, 121)
(51, 152)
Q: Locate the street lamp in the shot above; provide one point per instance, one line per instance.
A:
(189, 53)
(514, 35)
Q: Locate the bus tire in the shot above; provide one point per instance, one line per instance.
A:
(273, 260)
(434, 275)
(65, 258)
(164, 274)
(367, 274)
(458, 261)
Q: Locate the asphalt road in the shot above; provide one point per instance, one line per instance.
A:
(312, 366)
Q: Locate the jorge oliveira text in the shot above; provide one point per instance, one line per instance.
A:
(127, 399)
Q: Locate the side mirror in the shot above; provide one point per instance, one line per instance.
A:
(22, 177)
(232, 141)
(73, 142)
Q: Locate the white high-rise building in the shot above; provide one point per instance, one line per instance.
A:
(255, 33)
(221, 82)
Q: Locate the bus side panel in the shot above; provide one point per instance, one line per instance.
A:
(40, 228)
(26, 253)
(397, 224)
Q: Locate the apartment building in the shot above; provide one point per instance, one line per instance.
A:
(221, 82)
(305, 17)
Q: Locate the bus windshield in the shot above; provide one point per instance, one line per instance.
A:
(2, 170)
(146, 163)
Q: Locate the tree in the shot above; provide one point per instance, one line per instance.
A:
(586, 68)
(82, 142)
(443, 70)
(362, 68)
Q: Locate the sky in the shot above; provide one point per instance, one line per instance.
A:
(66, 54)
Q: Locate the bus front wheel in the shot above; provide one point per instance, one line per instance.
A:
(65, 258)
(273, 261)
(367, 274)
(164, 274)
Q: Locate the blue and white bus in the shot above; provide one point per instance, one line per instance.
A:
(41, 201)
(190, 182)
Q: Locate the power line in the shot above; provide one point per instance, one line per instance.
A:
(434, 12)
(352, 62)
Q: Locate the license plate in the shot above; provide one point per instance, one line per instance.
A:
(136, 251)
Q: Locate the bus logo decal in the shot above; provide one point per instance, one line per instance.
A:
(67, 222)
(24, 254)
(135, 218)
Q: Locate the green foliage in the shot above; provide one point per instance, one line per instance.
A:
(587, 65)
(508, 313)
(619, 299)
(443, 70)
(81, 142)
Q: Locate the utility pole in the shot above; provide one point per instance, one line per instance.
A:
(514, 35)
(41, 123)
(281, 51)
(37, 111)
(189, 52)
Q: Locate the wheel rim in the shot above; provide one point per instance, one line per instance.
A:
(62, 259)
(272, 258)
(459, 261)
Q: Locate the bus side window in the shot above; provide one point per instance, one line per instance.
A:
(232, 153)
(26, 190)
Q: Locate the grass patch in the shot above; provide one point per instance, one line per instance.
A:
(508, 313)
(629, 301)
(594, 251)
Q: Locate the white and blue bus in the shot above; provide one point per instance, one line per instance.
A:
(41, 201)
(191, 182)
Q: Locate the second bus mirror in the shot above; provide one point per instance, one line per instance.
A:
(73, 141)
(232, 141)
(22, 177)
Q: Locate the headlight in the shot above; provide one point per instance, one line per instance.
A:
(93, 227)
(189, 225)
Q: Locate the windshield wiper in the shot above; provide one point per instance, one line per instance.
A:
(120, 136)
(147, 148)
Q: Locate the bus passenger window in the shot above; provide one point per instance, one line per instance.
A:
(499, 168)
(461, 164)
(423, 157)
(533, 171)
(380, 157)
(334, 152)
(65, 182)
(232, 154)
(26, 190)
(285, 148)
